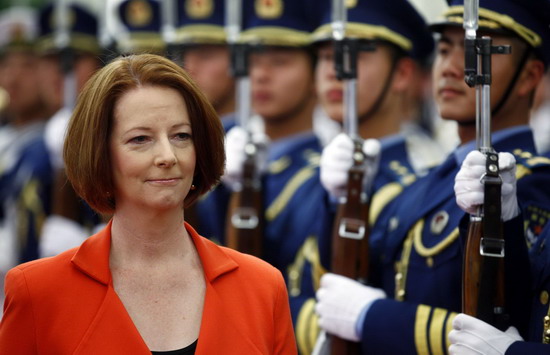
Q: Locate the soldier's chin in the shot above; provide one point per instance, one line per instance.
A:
(334, 112)
(459, 117)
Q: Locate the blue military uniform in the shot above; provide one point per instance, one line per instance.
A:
(369, 21)
(290, 185)
(421, 257)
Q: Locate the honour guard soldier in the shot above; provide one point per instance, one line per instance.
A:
(69, 52)
(142, 21)
(25, 170)
(391, 43)
(421, 255)
(282, 65)
(202, 43)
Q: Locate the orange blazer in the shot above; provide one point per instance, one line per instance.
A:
(67, 305)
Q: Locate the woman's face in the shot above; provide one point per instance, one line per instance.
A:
(152, 150)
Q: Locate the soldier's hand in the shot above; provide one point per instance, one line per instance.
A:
(236, 141)
(469, 189)
(340, 301)
(337, 159)
(473, 336)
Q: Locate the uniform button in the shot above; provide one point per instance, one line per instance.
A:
(393, 224)
(430, 261)
(544, 297)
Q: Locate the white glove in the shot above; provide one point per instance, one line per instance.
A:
(235, 144)
(469, 189)
(340, 301)
(337, 159)
(54, 136)
(471, 336)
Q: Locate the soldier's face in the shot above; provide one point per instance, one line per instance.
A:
(208, 65)
(373, 70)
(51, 81)
(18, 76)
(455, 99)
(282, 83)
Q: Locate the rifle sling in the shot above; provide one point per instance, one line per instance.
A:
(492, 247)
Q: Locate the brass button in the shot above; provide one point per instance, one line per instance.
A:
(544, 297)
(430, 261)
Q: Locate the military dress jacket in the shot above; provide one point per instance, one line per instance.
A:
(421, 256)
(67, 305)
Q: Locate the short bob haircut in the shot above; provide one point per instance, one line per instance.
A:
(86, 151)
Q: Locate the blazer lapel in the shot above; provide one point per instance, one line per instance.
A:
(112, 331)
(219, 330)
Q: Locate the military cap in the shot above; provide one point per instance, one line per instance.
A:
(200, 22)
(393, 21)
(142, 20)
(81, 28)
(278, 22)
(18, 29)
(526, 19)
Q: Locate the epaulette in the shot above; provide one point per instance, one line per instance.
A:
(527, 161)
(403, 174)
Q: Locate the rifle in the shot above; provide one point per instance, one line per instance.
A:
(483, 267)
(350, 235)
(245, 215)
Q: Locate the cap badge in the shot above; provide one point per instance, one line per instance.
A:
(269, 9)
(199, 9)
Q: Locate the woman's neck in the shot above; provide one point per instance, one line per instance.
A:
(137, 237)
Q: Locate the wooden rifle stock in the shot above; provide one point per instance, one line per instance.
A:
(350, 242)
(245, 213)
(485, 305)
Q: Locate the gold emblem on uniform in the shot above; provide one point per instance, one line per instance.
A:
(199, 9)
(439, 222)
(269, 9)
(544, 297)
(350, 4)
(139, 13)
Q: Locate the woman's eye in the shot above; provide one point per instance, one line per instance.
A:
(139, 139)
(183, 136)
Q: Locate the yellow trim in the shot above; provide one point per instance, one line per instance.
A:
(420, 332)
(448, 328)
(78, 41)
(381, 198)
(436, 327)
(436, 249)
(538, 160)
(143, 42)
(276, 36)
(29, 204)
(279, 165)
(206, 34)
(288, 191)
(522, 171)
(503, 21)
(307, 327)
(364, 31)
(295, 271)
(402, 268)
